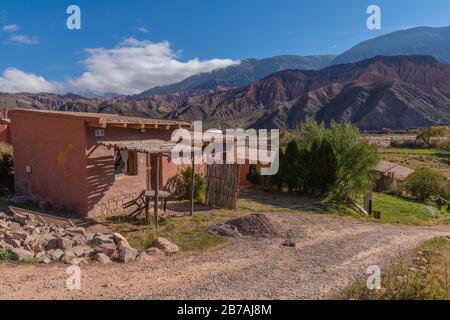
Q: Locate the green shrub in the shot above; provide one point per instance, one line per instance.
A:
(331, 162)
(6, 170)
(426, 136)
(181, 185)
(291, 166)
(254, 175)
(5, 255)
(443, 145)
(407, 144)
(425, 183)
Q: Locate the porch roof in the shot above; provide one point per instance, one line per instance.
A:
(151, 146)
(103, 120)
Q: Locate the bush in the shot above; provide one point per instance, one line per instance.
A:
(6, 170)
(254, 175)
(356, 160)
(426, 183)
(407, 144)
(318, 169)
(443, 145)
(426, 136)
(6, 255)
(182, 182)
(332, 162)
(291, 166)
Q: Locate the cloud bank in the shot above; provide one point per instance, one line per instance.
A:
(14, 80)
(131, 67)
(134, 66)
(10, 28)
(23, 39)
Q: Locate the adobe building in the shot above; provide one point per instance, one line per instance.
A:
(70, 159)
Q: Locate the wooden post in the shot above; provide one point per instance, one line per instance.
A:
(148, 187)
(192, 183)
(155, 204)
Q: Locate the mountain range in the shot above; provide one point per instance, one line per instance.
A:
(380, 83)
(382, 92)
(415, 41)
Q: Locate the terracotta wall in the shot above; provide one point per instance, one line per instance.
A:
(102, 185)
(53, 149)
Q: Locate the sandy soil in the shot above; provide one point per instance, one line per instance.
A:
(331, 253)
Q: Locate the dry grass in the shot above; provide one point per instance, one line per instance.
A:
(190, 233)
(424, 278)
(419, 158)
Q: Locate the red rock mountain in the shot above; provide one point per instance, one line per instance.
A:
(396, 92)
(383, 92)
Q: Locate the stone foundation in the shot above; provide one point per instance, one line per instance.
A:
(113, 206)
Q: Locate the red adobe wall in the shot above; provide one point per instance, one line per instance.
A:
(53, 146)
(102, 185)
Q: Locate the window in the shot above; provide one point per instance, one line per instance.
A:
(99, 132)
(125, 162)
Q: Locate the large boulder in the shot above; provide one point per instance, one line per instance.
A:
(19, 254)
(13, 242)
(81, 250)
(78, 239)
(5, 246)
(126, 254)
(64, 243)
(106, 248)
(165, 245)
(76, 230)
(52, 244)
(103, 238)
(102, 258)
(22, 219)
(56, 254)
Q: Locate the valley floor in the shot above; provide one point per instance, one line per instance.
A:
(331, 253)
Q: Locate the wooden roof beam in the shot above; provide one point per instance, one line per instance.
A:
(119, 125)
(98, 125)
(137, 126)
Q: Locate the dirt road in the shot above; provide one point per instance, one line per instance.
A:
(331, 252)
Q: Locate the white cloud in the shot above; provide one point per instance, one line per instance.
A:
(10, 28)
(23, 39)
(143, 30)
(14, 80)
(134, 66)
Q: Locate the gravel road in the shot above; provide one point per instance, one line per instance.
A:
(331, 252)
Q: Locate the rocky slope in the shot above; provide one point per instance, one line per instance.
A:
(248, 71)
(383, 92)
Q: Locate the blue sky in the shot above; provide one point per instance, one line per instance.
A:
(37, 41)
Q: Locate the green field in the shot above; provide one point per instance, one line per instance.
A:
(398, 210)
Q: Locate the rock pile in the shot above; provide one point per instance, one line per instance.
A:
(254, 225)
(30, 240)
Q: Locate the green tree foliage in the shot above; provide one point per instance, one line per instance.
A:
(290, 165)
(356, 160)
(425, 136)
(332, 162)
(425, 183)
(254, 174)
(6, 170)
(181, 185)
